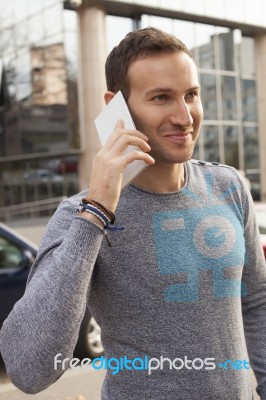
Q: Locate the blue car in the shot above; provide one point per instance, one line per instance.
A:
(17, 254)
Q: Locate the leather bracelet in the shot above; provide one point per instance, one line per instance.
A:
(95, 203)
(100, 214)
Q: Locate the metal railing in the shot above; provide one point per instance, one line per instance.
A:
(33, 209)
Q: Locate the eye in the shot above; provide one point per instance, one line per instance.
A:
(160, 98)
(192, 96)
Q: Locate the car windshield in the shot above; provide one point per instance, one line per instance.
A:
(261, 218)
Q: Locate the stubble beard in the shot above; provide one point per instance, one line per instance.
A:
(175, 154)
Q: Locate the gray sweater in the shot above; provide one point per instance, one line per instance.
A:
(184, 283)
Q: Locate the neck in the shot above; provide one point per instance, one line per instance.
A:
(161, 178)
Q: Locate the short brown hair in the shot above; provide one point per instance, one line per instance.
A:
(134, 46)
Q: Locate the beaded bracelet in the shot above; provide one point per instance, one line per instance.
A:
(101, 215)
(95, 203)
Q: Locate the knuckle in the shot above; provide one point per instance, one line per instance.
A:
(98, 157)
(136, 153)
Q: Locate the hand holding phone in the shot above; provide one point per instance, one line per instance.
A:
(124, 154)
(105, 122)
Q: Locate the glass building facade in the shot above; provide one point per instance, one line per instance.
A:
(39, 118)
(39, 124)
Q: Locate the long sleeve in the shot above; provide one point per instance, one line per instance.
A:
(254, 300)
(46, 320)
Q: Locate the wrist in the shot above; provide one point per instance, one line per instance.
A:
(91, 217)
(100, 212)
(103, 200)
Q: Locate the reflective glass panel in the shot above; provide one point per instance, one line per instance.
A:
(208, 95)
(248, 56)
(70, 20)
(37, 179)
(228, 88)
(71, 53)
(36, 29)
(23, 76)
(196, 152)
(231, 147)
(53, 20)
(47, 3)
(165, 24)
(205, 45)
(226, 49)
(249, 100)
(251, 147)
(50, 40)
(10, 73)
(20, 9)
(35, 6)
(21, 33)
(116, 29)
(6, 13)
(7, 41)
(254, 178)
(185, 31)
(44, 129)
(211, 143)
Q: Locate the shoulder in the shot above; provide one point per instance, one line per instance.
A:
(221, 171)
(224, 181)
(213, 165)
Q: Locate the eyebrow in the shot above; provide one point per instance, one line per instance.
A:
(167, 90)
(158, 89)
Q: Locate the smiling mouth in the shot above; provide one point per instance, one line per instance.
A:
(180, 136)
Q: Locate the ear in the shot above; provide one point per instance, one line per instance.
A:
(108, 96)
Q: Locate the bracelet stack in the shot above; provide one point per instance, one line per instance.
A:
(99, 211)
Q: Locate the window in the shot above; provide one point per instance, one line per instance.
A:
(10, 255)
(249, 104)
(228, 88)
(116, 29)
(209, 95)
(231, 146)
(251, 147)
(211, 143)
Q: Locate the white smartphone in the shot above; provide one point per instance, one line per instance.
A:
(105, 122)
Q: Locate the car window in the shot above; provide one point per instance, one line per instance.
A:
(261, 219)
(11, 256)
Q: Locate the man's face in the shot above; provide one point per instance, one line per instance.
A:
(165, 104)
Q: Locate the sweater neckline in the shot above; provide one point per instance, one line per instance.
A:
(187, 167)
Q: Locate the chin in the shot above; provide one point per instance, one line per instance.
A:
(175, 158)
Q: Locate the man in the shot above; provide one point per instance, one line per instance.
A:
(180, 294)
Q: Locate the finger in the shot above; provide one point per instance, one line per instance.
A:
(133, 155)
(119, 131)
(128, 140)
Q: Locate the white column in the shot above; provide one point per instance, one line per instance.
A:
(91, 83)
(261, 102)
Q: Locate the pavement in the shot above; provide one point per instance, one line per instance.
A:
(32, 228)
(78, 384)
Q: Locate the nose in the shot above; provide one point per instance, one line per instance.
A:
(181, 114)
